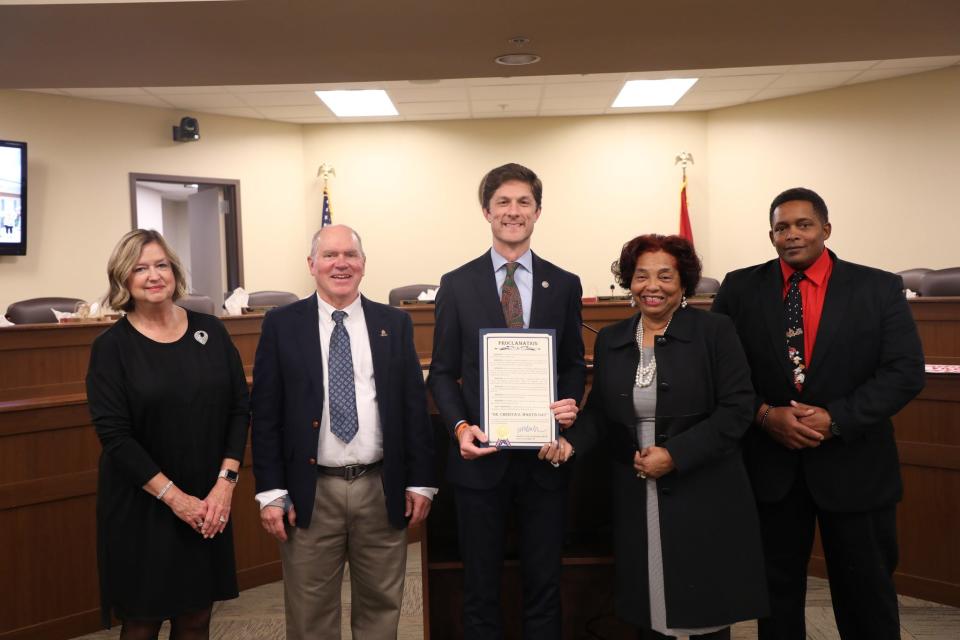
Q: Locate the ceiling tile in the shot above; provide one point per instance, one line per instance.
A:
(240, 112)
(733, 83)
(144, 100)
(159, 91)
(278, 98)
(768, 94)
(310, 120)
(427, 94)
(438, 116)
(203, 100)
(425, 108)
(107, 91)
(487, 107)
(425, 84)
(605, 90)
(934, 62)
(318, 110)
(882, 74)
(596, 104)
(811, 81)
(739, 71)
(266, 88)
(586, 77)
(504, 93)
(482, 82)
(858, 65)
(347, 86)
(570, 112)
(508, 114)
(710, 98)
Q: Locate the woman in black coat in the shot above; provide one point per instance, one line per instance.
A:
(672, 397)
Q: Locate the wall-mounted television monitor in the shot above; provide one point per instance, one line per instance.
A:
(13, 198)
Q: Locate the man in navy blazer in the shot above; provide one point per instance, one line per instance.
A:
(489, 484)
(822, 447)
(342, 446)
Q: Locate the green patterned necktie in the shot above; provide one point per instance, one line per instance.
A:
(510, 299)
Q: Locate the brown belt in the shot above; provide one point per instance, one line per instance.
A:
(349, 472)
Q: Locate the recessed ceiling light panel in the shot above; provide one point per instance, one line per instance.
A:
(652, 93)
(517, 59)
(358, 104)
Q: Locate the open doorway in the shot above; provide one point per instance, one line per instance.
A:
(200, 218)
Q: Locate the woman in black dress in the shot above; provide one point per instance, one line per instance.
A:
(672, 397)
(168, 398)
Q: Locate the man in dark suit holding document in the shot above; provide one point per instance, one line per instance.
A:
(507, 287)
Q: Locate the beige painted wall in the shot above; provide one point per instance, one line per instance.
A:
(883, 154)
(80, 155)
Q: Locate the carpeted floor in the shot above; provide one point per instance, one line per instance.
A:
(258, 614)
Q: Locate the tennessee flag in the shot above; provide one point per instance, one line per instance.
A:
(327, 217)
(686, 231)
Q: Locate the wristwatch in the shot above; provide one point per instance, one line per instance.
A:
(834, 428)
(230, 476)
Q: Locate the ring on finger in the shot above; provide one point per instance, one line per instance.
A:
(222, 519)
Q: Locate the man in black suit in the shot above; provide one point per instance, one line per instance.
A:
(341, 445)
(834, 353)
(508, 286)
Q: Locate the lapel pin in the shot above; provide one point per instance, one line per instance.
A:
(545, 284)
(201, 337)
(383, 333)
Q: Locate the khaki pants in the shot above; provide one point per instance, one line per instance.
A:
(349, 523)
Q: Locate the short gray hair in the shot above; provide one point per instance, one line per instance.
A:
(315, 241)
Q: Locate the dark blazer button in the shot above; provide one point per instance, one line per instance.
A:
(665, 490)
(315, 424)
(312, 461)
(661, 437)
(661, 340)
(664, 386)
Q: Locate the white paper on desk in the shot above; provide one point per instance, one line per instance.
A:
(4, 322)
(60, 315)
(427, 296)
(236, 302)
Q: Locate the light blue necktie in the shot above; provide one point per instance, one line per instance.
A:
(343, 395)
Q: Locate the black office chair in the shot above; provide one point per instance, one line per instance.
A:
(913, 277)
(408, 292)
(942, 282)
(271, 298)
(39, 310)
(707, 286)
(200, 304)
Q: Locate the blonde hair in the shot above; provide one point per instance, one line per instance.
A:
(125, 257)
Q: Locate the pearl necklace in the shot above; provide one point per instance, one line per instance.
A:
(645, 372)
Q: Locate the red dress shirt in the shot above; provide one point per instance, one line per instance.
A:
(813, 290)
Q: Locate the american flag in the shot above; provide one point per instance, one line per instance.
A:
(686, 231)
(327, 216)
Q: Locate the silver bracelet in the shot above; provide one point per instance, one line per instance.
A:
(164, 490)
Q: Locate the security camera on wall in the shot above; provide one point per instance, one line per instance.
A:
(188, 131)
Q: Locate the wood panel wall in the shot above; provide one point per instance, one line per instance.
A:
(49, 453)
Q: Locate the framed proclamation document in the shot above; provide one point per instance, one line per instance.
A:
(518, 382)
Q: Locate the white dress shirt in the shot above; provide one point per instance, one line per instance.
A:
(366, 447)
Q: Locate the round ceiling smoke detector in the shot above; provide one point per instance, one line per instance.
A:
(517, 59)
